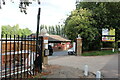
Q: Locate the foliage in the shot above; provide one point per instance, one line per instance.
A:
(15, 30)
(23, 4)
(54, 30)
(99, 53)
(80, 22)
(106, 14)
(96, 15)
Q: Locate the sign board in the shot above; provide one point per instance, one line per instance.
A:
(46, 46)
(108, 35)
(45, 41)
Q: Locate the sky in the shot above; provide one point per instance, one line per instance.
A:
(53, 12)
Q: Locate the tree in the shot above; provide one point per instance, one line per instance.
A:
(23, 4)
(15, 30)
(106, 15)
(6, 30)
(54, 30)
(26, 32)
(80, 22)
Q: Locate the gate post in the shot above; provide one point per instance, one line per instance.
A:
(45, 46)
(79, 46)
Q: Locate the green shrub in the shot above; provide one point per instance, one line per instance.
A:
(99, 53)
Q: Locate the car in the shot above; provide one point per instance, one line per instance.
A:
(71, 51)
(50, 50)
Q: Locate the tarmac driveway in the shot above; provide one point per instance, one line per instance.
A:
(110, 70)
(94, 63)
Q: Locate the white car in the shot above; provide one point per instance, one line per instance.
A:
(71, 51)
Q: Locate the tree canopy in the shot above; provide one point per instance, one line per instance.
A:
(106, 14)
(80, 22)
(88, 20)
(54, 30)
(15, 30)
(23, 4)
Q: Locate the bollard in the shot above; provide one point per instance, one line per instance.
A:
(98, 75)
(118, 49)
(113, 50)
(86, 70)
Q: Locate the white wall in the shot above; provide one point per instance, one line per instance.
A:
(74, 46)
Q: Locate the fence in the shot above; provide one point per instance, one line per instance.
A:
(19, 56)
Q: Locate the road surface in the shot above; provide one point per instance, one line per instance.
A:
(111, 69)
(108, 64)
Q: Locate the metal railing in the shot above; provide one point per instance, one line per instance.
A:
(19, 56)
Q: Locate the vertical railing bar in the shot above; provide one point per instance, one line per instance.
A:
(41, 50)
(1, 57)
(34, 72)
(14, 58)
(21, 53)
(24, 56)
(18, 56)
(31, 53)
(6, 57)
(28, 56)
(10, 56)
(34, 44)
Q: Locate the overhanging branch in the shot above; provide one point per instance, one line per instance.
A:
(23, 4)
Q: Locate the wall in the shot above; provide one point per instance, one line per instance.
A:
(61, 46)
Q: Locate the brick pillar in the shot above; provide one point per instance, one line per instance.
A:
(45, 46)
(79, 46)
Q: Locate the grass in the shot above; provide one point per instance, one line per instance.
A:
(99, 53)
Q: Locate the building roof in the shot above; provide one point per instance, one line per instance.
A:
(53, 38)
(57, 38)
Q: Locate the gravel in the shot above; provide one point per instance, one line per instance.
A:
(55, 71)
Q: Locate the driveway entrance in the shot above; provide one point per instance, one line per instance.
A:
(106, 64)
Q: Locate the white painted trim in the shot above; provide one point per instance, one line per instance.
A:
(17, 52)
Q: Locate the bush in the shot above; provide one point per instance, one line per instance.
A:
(99, 53)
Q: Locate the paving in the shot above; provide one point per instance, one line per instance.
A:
(110, 70)
(95, 63)
(56, 71)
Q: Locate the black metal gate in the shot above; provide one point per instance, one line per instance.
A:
(19, 56)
